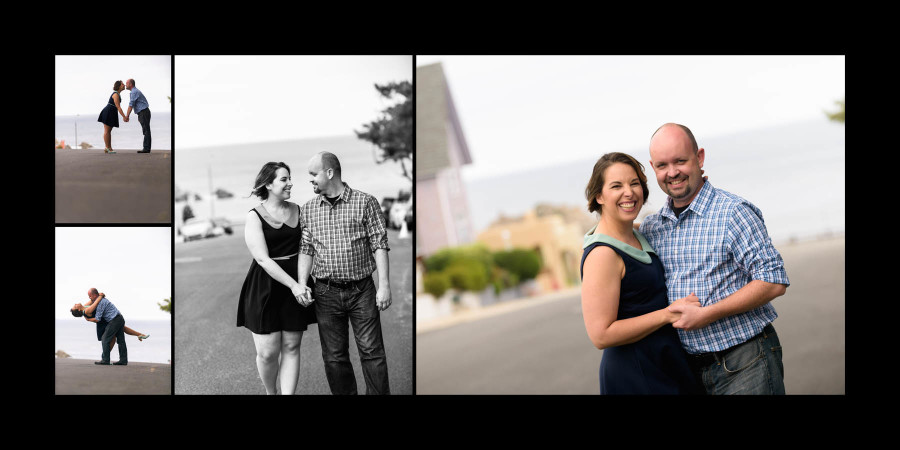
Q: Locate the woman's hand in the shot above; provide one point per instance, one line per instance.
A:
(302, 294)
(690, 300)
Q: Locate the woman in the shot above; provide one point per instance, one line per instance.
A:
(101, 326)
(108, 115)
(623, 291)
(268, 304)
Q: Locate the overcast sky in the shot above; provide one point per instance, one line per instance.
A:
(84, 83)
(519, 112)
(250, 99)
(131, 265)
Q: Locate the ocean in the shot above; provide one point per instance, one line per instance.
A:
(234, 168)
(127, 136)
(794, 173)
(78, 338)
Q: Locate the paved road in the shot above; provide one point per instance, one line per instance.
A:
(83, 377)
(544, 349)
(213, 356)
(128, 187)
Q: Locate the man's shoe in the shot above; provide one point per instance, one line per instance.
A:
(102, 363)
(120, 363)
(143, 151)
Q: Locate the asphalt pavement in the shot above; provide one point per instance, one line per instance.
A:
(541, 347)
(126, 187)
(83, 377)
(213, 356)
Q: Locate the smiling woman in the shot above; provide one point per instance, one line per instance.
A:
(268, 302)
(623, 291)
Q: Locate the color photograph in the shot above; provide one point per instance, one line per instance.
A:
(113, 139)
(630, 225)
(113, 310)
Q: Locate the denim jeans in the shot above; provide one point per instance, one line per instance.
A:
(356, 303)
(115, 329)
(144, 120)
(751, 368)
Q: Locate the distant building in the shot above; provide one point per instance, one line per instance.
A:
(556, 233)
(442, 211)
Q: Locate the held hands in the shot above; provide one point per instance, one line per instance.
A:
(691, 316)
(303, 294)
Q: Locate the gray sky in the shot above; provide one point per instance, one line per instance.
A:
(132, 265)
(250, 99)
(519, 112)
(84, 83)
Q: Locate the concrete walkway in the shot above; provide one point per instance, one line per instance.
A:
(126, 187)
(83, 377)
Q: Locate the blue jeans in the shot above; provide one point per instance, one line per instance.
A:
(751, 368)
(356, 303)
(114, 329)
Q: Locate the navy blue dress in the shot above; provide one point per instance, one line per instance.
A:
(110, 114)
(657, 364)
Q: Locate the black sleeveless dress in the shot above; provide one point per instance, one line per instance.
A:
(265, 305)
(657, 364)
(110, 115)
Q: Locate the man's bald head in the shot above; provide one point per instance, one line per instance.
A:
(329, 161)
(673, 132)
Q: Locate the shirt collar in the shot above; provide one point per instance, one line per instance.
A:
(642, 254)
(699, 205)
(345, 196)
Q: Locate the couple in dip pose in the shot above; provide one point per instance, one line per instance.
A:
(111, 327)
(314, 264)
(680, 304)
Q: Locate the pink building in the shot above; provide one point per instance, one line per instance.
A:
(442, 211)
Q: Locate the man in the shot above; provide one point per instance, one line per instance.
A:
(344, 241)
(104, 310)
(142, 108)
(714, 244)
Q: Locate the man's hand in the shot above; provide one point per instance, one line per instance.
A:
(383, 297)
(693, 316)
(126, 118)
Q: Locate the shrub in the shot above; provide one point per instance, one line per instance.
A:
(524, 264)
(467, 277)
(436, 283)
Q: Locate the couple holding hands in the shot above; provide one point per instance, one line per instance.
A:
(314, 264)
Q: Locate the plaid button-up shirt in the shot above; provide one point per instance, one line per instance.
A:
(717, 246)
(342, 238)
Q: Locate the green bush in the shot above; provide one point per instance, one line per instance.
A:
(467, 277)
(524, 264)
(436, 283)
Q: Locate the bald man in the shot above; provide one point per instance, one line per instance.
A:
(142, 108)
(715, 244)
(344, 242)
(104, 311)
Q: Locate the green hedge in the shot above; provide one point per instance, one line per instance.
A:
(474, 267)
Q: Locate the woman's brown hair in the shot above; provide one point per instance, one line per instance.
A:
(595, 185)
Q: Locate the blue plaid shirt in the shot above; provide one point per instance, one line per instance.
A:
(137, 100)
(105, 311)
(717, 246)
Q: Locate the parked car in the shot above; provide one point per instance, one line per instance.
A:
(196, 228)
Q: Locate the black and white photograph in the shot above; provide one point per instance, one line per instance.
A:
(294, 219)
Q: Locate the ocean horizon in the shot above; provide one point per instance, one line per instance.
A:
(794, 173)
(234, 169)
(78, 338)
(127, 136)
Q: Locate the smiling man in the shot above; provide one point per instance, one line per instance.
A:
(714, 244)
(344, 243)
